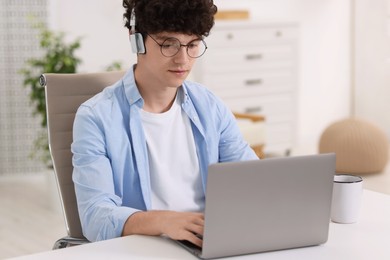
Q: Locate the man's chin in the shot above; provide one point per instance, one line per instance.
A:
(176, 83)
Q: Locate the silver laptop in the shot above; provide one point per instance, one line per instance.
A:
(267, 205)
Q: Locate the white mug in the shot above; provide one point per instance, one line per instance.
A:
(346, 200)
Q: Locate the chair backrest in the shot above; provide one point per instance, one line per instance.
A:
(64, 94)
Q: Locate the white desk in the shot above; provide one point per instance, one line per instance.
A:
(367, 239)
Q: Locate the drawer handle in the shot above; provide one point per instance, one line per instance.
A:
(253, 110)
(278, 34)
(254, 56)
(253, 82)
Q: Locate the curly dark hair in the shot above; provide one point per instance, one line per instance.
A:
(184, 16)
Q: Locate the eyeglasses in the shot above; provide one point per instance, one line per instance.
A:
(171, 46)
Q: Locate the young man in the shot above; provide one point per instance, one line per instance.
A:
(142, 147)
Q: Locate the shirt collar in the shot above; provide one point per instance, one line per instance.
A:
(132, 93)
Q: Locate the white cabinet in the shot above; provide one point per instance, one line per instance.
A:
(252, 66)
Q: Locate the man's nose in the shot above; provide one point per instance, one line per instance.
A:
(181, 56)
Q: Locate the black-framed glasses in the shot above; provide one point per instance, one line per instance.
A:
(171, 46)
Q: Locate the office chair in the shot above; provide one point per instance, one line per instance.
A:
(64, 94)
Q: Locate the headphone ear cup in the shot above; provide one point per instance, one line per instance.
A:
(137, 43)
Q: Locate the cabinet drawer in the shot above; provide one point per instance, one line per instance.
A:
(276, 108)
(249, 36)
(279, 133)
(251, 83)
(248, 59)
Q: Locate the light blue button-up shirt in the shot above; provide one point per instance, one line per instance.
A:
(111, 169)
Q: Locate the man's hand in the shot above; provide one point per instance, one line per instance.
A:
(184, 226)
(176, 225)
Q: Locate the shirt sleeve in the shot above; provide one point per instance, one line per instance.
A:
(232, 146)
(101, 212)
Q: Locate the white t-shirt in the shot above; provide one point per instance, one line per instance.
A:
(174, 168)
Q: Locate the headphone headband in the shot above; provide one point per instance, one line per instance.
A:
(136, 39)
(132, 21)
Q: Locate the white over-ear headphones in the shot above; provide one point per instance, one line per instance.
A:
(136, 39)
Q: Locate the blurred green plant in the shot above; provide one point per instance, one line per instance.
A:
(58, 57)
(114, 66)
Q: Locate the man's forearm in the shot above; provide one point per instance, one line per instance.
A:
(143, 223)
(176, 225)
